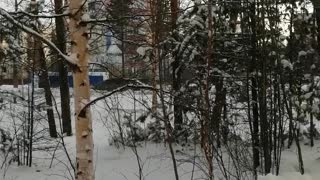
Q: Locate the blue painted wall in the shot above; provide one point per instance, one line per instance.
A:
(94, 79)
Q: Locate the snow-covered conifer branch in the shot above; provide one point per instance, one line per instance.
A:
(28, 30)
(41, 15)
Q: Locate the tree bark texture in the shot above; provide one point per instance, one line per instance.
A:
(83, 121)
(63, 72)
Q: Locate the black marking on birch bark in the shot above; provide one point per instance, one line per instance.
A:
(83, 113)
(85, 34)
(73, 43)
(74, 67)
(83, 83)
(82, 23)
(77, 69)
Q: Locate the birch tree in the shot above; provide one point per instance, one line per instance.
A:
(83, 122)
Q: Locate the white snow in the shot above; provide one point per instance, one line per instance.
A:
(225, 60)
(290, 176)
(85, 17)
(83, 103)
(286, 64)
(143, 49)
(73, 57)
(272, 53)
(315, 108)
(305, 87)
(119, 164)
(302, 53)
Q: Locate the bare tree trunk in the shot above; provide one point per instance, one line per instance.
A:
(217, 109)
(300, 159)
(296, 133)
(254, 100)
(31, 118)
(264, 123)
(291, 58)
(39, 58)
(176, 74)
(83, 121)
(63, 72)
(123, 36)
(47, 91)
(206, 135)
(154, 38)
(167, 124)
(123, 52)
(15, 72)
(32, 57)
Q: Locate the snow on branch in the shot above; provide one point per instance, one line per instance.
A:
(41, 15)
(14, 94)
(28, 30)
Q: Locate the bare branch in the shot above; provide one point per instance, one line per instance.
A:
(120, 89)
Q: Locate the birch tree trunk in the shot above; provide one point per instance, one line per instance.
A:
(83, 122)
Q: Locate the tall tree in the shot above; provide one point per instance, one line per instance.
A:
(155, 52)
(15, 72)
(120, 11)
(83, 122)
(206, 136)
(158, 26)
(176, 72)
(254, 96)
(63, 72)
(39, 58)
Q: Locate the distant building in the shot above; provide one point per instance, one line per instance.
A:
(107, 48)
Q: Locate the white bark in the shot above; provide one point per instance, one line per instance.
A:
(83, 121)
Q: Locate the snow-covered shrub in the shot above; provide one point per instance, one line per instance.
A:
(5, 141)
(155, 131)
(129, 134)
(134, 132)
(8, 148)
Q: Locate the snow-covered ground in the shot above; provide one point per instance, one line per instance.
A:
(289, 169)
(121, 163)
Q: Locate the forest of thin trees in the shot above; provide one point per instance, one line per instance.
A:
(237, 78)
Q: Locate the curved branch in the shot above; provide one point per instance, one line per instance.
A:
(142, 86)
